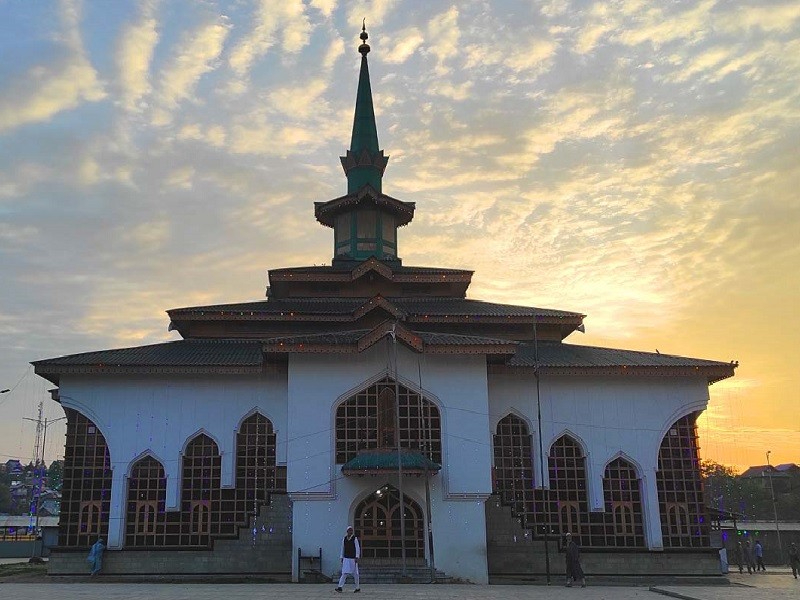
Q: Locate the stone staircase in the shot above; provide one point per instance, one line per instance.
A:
(265, 554)
(376, 574)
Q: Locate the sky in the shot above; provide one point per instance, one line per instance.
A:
(635, 161)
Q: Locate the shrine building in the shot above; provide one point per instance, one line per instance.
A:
(368, 389)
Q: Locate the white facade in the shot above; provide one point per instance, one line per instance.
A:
(609, 416)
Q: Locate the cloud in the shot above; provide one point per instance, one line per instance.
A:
(445, 35)
(326, 7)
(195, 56)
(333, 53)
(286, 19)
(373, 11)
(404, 43)
(48, 89)
(134, 54)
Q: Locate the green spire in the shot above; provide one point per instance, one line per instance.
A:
(365, 132)
(364, 163)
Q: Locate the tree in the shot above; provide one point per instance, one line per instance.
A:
(55, 475)
(5, 497)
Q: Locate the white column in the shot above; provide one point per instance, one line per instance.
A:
(116, 517)
(651, 513)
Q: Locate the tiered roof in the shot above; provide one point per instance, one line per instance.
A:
(365, 295)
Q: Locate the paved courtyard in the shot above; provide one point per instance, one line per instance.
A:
(772, 586)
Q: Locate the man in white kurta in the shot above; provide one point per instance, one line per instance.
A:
(351, 552)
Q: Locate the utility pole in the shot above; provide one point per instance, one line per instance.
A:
(774, 507)
(541, 447)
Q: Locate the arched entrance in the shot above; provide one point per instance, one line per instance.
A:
(377, 524)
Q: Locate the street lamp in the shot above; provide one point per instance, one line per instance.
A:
(774, 506)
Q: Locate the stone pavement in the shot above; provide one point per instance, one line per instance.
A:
(772, 586)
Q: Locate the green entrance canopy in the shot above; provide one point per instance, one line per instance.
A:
(379, 462)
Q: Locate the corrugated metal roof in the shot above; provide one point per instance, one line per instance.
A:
(352, 337)
(419, 307)
(386, 460)
(554, 354)
(178, 353)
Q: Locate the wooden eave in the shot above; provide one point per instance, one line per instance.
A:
(54, 372)
(326, 212)
(713, 374)
(377, 303)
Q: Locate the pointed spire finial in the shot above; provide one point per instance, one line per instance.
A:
(364, 47)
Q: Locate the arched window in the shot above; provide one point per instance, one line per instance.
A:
(257, 473)
(623, 520)
(200, 492)
(513, 466)
(567, 466)
(365, 421)
(86, 491)
(90, 518)
(684, 523)
(146, 511)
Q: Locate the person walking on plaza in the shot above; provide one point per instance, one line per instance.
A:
(95, 557)
(759, 551)
(351, 552)
(738, 555)
(794, 559)
(574, 569)
(748, 557)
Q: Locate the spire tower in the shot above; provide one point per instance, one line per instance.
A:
(364, 163)
(365, 220)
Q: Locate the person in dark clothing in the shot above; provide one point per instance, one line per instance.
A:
(738, 556)
(351, 552)
(759, 552)
(574, 569)
(794, 559)
(748, 557)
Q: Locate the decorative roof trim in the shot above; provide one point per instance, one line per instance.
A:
(326, 211)
(376, 303)
(371, 264)
(712, 373)
(395, 329)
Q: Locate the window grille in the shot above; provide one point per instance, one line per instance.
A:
(362, 422)
(201, 492)
(567, 466)
(623, 520)
(684, 523)
(513, 464)
(146, 520)
(86, 491)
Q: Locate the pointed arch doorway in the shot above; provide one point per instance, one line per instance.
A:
(377, 523)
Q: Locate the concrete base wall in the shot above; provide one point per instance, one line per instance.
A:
(266, 553)
(262, 561)
(20, 549)
(514, 553)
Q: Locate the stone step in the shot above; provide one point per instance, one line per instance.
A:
(392, 574)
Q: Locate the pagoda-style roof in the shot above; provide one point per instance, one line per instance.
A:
(419, 341)
(368, 278)
(326, 212)
(250, 356)
(418, 310)
(182, 356)
(380, 462)
(555, 357)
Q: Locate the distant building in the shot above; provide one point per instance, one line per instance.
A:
(781, 476)
(373, 393)
(14, 467)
